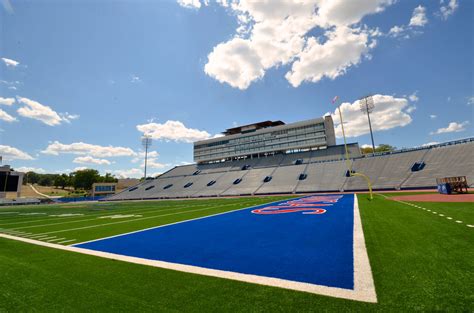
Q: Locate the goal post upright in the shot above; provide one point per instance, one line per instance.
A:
(348, 164)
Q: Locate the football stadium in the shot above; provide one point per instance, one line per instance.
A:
(286, 211)
(269, 205)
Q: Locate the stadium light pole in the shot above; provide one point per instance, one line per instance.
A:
(367, 106)
(348, 163)
(146, 143)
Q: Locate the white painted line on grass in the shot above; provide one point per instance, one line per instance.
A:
(57, 239)
(459, 222)
(470, 226)
(46, 238)
(39, 237)
(449, 218)
(65, 241)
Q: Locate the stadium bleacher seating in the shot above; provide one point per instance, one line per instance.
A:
(324, 171)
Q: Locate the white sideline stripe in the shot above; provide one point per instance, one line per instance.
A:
(134, 220)
(364, 288)
(442, 215)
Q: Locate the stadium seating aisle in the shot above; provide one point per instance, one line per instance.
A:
(452, 160)
(284, 180)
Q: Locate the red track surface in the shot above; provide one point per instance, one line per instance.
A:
(436, 198)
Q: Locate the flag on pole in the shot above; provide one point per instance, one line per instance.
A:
(334, 100)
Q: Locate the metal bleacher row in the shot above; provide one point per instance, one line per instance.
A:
(310, 171)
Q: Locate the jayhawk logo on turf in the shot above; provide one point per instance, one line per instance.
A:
(310, 205)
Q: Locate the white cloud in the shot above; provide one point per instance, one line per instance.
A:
(26, 169)
(389, 112)
(418, 17)
(130, 173)
(7, 101)
(413, 97)
(135, 79)
(470, 100)
(12, 85)
(430, 144)
(81, 148)
(80, 168)
(66, 117)
(417, 21)
(11, 153)
(141, 156)
(10, 62)
(397, 31)
(42, 113)
(453, 127)
(236, 63)
(153, 163)
(174, 131)
(4, 116)
(343, 49)
(190, 4)
(411, 109)
(274, 33)
(433, 116)
(365, 146)
(90, 160)
(7, 6)
(447, 8)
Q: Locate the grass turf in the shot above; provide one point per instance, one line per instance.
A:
(419, 261)
(100, 220)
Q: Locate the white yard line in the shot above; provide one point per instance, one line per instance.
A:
(57, 239)
(364, 289)
(66, 241)
(47, 238)
(38, 237)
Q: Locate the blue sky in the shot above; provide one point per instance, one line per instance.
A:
(81, 81)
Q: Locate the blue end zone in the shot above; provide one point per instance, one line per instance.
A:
(280, 240)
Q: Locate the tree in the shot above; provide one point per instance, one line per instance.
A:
(61, 181)
(84, 179)
(381, 148)
(108, 178)
(46, 180)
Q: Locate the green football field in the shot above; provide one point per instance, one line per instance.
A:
(420, 260)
